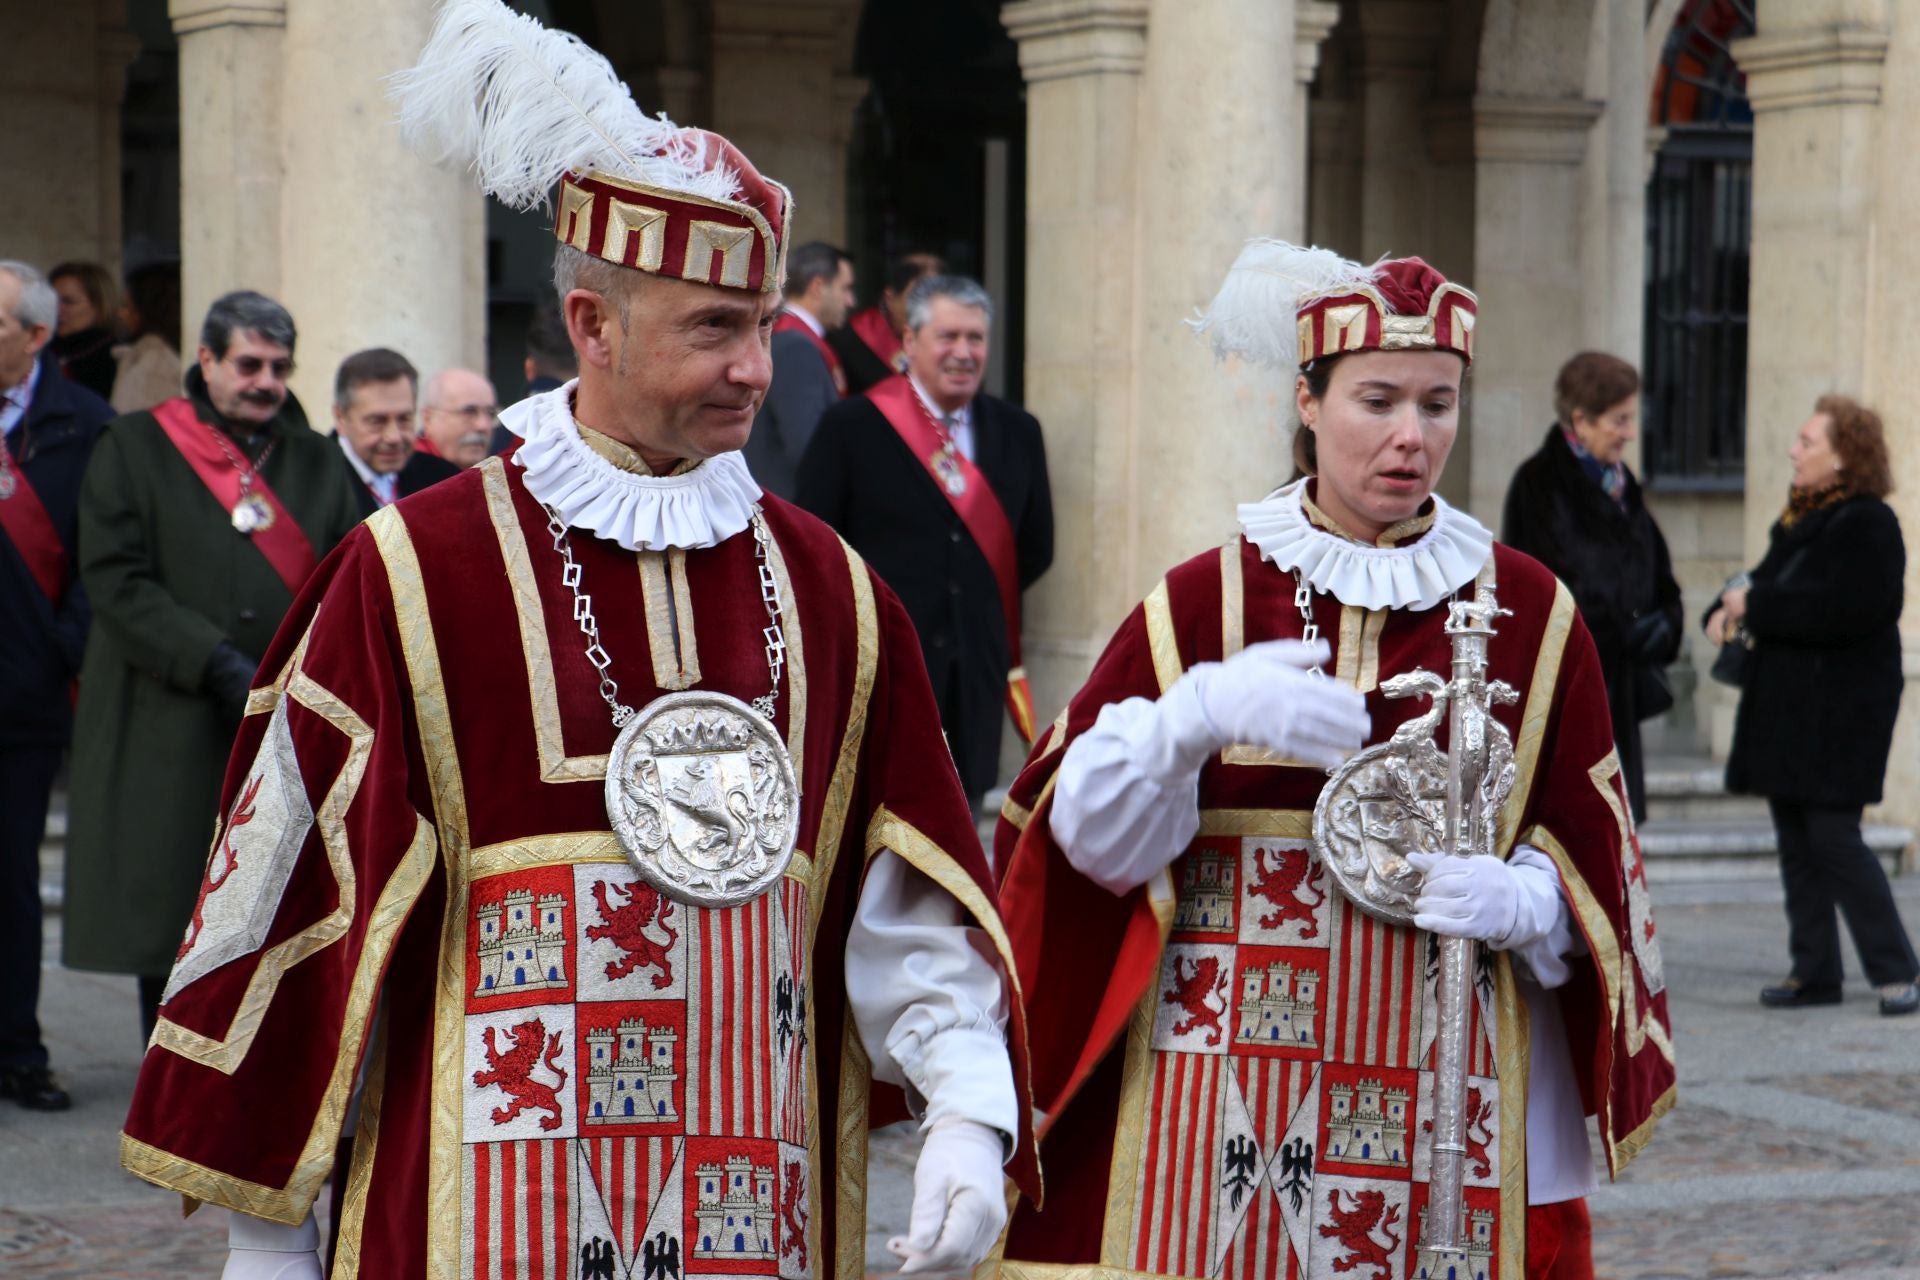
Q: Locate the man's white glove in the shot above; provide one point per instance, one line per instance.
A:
(261, 1250)
(1267, 695)
(1508, 905)
(959, 1204)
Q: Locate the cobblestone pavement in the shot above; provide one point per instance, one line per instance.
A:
(1794, 1152)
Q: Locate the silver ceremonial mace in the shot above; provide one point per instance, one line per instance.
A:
(1405, 795)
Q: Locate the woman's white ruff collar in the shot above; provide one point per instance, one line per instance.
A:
(698, 508)
(1418, 575)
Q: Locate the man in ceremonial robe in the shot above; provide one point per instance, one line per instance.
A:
(423, 880)
(944, 489)
(1234, 1062)
(871, 345)
(185, 601)
(48, 426)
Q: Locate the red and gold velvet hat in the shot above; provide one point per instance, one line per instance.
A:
(1283, 305)
(530, 110)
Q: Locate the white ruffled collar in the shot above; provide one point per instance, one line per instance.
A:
(702, 507)
(1418, 575)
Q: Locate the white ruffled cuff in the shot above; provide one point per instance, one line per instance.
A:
(1418, 575)
(699, 508)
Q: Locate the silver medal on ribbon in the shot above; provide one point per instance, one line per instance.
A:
(252, 513)
(702, 797)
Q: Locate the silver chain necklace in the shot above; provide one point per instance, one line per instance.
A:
(583, 615)
(700, 788)
(1309, 630)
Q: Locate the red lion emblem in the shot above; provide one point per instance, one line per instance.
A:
(1193, 991)
(220, 865)
(792, 1194)
(1479, 1118)
(1282, 884)
(625, 926)
(1354, 1229)
(512, 1071)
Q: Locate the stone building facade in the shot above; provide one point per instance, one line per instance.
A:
(1509, 141)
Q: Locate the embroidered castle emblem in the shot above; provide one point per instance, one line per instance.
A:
(1207, 892)
(631, 1074)
(734, 1215)
(1278, 1005)
(523, 943)
(1367, 1124)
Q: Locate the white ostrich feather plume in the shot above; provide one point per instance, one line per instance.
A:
(522, 105)
(1253, 316)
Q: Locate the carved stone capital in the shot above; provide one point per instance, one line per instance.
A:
(1061, 39)
(1533, 130)
(1826, 66)
(189, 16)
(1313, 22)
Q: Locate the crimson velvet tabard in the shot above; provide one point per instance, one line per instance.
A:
(978, 509)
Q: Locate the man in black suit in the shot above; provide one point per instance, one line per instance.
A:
(49, 426)
(550, 364)
(807, 378)
(376, 395)
(944, 491)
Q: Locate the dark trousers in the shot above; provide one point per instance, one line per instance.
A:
(1824, 865)
(26, 785)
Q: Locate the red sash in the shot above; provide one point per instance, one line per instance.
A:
(791, 323)
(282, 542)
(980, 511)
(30, 529)
(873, 328)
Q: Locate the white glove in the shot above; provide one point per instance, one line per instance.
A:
(262, 1250)
(1508, 905)
(959, 1201)
(1266, 695)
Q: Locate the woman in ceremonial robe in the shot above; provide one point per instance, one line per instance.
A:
(1233, 1064)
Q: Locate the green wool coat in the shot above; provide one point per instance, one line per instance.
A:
(169, 578)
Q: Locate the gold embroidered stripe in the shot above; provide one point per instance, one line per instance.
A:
(1539, 705)
(833, 811)
(1157, 610)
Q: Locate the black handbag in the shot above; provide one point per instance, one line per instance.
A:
(1736, 655)
(1652, 691)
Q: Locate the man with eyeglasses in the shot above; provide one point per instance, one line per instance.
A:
(459, 415)
(200, 519)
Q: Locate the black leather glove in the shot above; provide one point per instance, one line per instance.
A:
(229, 678)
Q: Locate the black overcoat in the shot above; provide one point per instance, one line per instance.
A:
(40, 643)
(1823, 683)
(860, 477)
(1615, 563)
(422, 469)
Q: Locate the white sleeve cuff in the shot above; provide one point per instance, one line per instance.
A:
(1127, 799)
(963, 1074)
(1543, 929)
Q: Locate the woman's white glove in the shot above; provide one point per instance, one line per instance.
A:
(1506, 905)
(959, 1201)
(262, 1250)
(1268, 696)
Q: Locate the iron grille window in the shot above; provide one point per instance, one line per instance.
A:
(1699, 229)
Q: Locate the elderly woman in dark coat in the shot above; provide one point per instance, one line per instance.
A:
(1821, 689)
(1576, 508)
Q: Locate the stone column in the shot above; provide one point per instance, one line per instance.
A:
(1313, 22)
(777, 94)
(1527, 271)
(231, 74)
(1398, 43)
(378, 248)
(1835, 87)
(1082, 60)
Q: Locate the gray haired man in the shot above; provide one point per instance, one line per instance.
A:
(199, 521)
(943, 489)
(48, 426)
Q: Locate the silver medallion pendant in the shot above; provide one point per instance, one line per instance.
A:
(951, 475)
(7, 482)
(252, 514)
(702, 797)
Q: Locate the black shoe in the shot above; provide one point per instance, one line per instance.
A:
(34, 1089)
(1898, 998)
(1792, 994)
